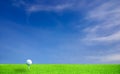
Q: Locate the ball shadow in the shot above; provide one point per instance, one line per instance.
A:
(20, 70)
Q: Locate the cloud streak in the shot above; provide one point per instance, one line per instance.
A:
(107, 26)
(106, 58)
(36, 6)
(104, 30)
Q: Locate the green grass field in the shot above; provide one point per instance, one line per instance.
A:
(60, 69)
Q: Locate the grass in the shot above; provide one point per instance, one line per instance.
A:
(60, 69)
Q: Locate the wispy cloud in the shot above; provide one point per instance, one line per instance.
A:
(115, 37)
(104, 29)
(105, 19)
(106, 58)
(111, 55)
(36, 6)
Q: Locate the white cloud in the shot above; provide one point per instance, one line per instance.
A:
(35, 8)
(106, 19)
(106, 58)
(111, 58)
(104, 31)
(110, 38)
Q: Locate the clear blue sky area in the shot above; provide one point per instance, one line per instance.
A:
(60, 31)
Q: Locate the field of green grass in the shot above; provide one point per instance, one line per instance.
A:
(60, 69)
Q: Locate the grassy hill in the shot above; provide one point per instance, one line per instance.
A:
(60, 69)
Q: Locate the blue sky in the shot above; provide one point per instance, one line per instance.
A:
(60, 31)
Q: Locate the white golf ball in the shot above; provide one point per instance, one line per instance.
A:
(29, 62)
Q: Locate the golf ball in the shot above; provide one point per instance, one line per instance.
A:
(29, 61)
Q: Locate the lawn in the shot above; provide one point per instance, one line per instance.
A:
(60, 69)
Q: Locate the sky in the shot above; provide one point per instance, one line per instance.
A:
(60, 31)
